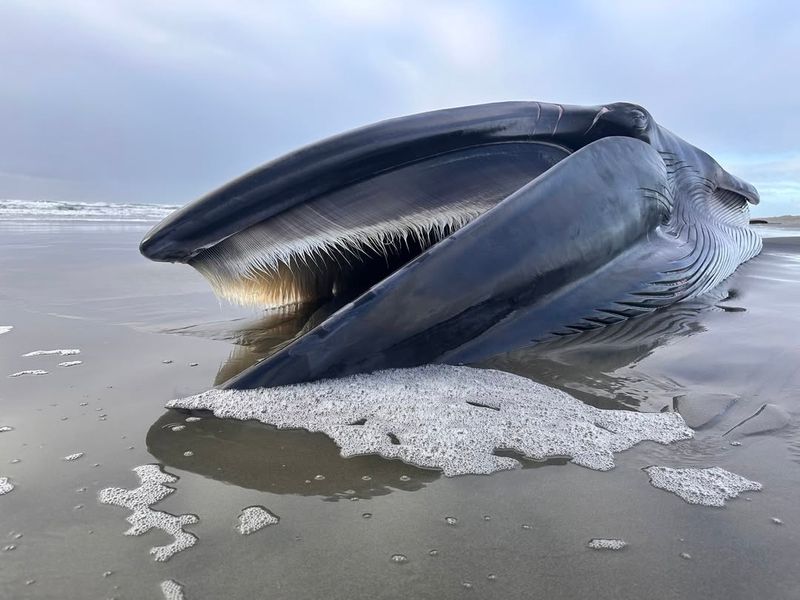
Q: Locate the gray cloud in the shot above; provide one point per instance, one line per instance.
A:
(161, 101)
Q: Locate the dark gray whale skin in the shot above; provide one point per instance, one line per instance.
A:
(628, 219)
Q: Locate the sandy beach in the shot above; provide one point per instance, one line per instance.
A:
(149, 333)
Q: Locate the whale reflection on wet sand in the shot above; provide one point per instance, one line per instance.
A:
(294, 461)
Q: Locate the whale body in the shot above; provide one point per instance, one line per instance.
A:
(463, 233)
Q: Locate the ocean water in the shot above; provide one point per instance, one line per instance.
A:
(50, 210)
(365, 526)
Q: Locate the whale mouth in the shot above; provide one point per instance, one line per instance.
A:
(336, 217)
(315, 251)
(345, 240)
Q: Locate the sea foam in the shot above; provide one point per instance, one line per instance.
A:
(254, 518)
(5, 486)
(709, 487)
(607, 544)
(28, 372)
(5, 328)
(143, 518)
(447, 417)
(172, 590)
(57, 352)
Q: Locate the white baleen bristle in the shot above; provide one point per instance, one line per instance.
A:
(303, 255)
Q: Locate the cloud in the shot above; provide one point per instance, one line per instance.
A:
(161, 101)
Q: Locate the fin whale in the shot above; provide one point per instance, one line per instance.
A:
(466, 232)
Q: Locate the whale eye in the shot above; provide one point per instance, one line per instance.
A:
(639, 119)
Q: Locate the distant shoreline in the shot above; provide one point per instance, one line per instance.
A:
(781, 220)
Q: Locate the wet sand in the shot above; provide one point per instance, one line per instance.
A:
(82, 285)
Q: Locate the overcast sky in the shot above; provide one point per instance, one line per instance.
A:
(161, 101)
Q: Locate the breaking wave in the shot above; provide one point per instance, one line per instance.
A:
(49, 210)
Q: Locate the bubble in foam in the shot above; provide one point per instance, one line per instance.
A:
(172, 590)
(5, 486)
(451, 520)
(708, 487)
(72, 457)
(28, 372)
(143, 518)
(254, 518)
(58, 352)
(446, 417)
(70, 363)
(193, 419)
(606, 544)
(405, 478)
(685, 556)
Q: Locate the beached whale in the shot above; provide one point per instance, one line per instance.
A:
(466, 232)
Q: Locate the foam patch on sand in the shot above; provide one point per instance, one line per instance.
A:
(172, 590)
(58, 352)
(70, 363)
(254, 518)
(709, 487)
(5, 486)
(143, 518)
(28, 372)
(606, 544)
(446, 417)
(72, 457)
(5, 328)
